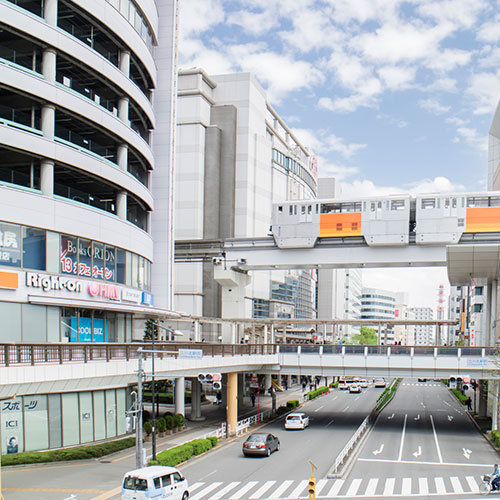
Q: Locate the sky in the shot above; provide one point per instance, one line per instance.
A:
(392, 96)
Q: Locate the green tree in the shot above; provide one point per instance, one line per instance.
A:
(366, 336)
(151, 330)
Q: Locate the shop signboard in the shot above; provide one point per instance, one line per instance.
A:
(88, 330)
(10, 245)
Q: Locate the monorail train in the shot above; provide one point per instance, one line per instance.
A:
(386, 220)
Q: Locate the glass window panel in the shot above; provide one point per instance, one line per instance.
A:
(120, 265)
(34, 323)
(142, 273)
(36, 423)
(70, 419)
(99, 417)
(110, 263)
(121, 409)
(55, 428)
(99, 327)
(34, 248)
(84, 258)
(10, 245)
(110, 413)
(12, 426)
(53, 325)
(135, 270)
(84, 327)
(98, 261)
(69, 256)
(86, 418)
(10, 313)
(53, 251)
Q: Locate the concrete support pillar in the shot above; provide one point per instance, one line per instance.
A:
(49, 65)
(50, 12)
(232, 402)
(121, 205)
(267, 382)
(196, 331)
(123, 107)
(483, 398)
(124, 62)
(289, 380)
(273, 340)
(196, 400)
(241, 389)
(149, 215)
(180, 395)
(47, 177)
(122, 156)
(48, 121)
(494, 406)
(492, 319)
(266, 335)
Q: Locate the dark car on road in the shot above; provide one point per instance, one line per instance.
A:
(261, 444)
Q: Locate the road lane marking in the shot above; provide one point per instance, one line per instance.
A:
(436, 440)
(467, 453)
(54, 490)
(297, 491)
(320, 485)
(280, 489)
(225, 490)
(206, 491)
(406, 486)
(402, 439)
(109, 494)
(372, 486)
(455, 483)
(471, 481)
(377, 452)
(243, 490)
(417, 453)
(335, 488)
(261, 490)
(345, 409)
(317, 409)
(389, 487)
(440, 487)
(421, 462)
(331, 422)
(195, 486)
(353, 488)
(423, 486)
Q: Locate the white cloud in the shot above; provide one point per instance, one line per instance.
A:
(366, 96)
(485, 90)
(433, 106)
(473, 138)
(439, 184)
(321, 142)
(460, 13)
(448, 59)
(254, 23)
(490, 30)
(445, 84)
(330, 169)
(392, 120)
(489, 57)
(455, 120)
(197, 16)
(397, 77)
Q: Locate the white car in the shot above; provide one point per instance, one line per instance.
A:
(342, 386)
(379, 382)
(296, 421)
(363, 383)
(354, 388)
(155, 482)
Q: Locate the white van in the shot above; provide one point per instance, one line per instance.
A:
(156, 482)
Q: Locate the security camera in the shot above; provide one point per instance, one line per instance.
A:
(242, 261)
(216, 261)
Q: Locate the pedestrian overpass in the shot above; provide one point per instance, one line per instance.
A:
(54, 368)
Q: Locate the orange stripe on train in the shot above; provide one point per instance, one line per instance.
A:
(347, 224)
(483, 220)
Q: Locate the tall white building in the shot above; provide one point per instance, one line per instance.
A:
(235, 157)
(403, 333)
(380, 305)
(423, 334)
(77, 170)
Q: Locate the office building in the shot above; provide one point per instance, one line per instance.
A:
(235, 157)
(377, 304)
(423, 334)
(76, 174)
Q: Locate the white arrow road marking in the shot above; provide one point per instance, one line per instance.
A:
(377, 452)
(418, 452)
(450, 418)
(417, 417)
(391, 417)
(467, 453)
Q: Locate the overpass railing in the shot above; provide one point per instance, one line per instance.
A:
(36, 354)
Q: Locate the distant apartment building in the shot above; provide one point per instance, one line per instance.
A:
(377, 304)
(423, 334)
(235, 157)
(402, 333)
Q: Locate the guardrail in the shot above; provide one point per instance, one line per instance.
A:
(243, 425)
(36, 354)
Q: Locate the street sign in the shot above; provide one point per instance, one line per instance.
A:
(254, 382)
(190, 353)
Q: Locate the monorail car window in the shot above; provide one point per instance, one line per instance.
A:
(291, 209)
(428, 203)
(494, 201)
(477, 201)
(303, 210)
(295, 210)
(454, 203)
(280, 209)
(317, 209)
(309, 209)
(397, 204)
(446, 203)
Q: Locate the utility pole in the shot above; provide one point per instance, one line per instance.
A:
(3, 399)
(138, 431)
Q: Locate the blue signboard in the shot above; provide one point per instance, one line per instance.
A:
(88, 333)
(147, 299)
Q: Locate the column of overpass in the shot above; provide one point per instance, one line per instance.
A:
(232, 402)
(196, 400)
(180, 386)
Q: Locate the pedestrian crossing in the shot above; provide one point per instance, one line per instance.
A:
(333, 488)
(420, 384)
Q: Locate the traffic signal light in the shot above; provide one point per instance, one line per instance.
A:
(211, 378)
(311, 489)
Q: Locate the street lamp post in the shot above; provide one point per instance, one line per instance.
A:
(153, 397)
(3, 399)
(138, 430)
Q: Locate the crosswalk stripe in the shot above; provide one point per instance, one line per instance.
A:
(335, 488)
(473, 486)
(320, 485)
(406, 486)
(440, 487)
(298, 490)
(224, 490)
(455, 483)
(262, 490)
(353, 488)
(243, 490)
(205, 491)
(372, 486)
(423, 486)
(389, 486)
(195, 486)
(280, 489)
